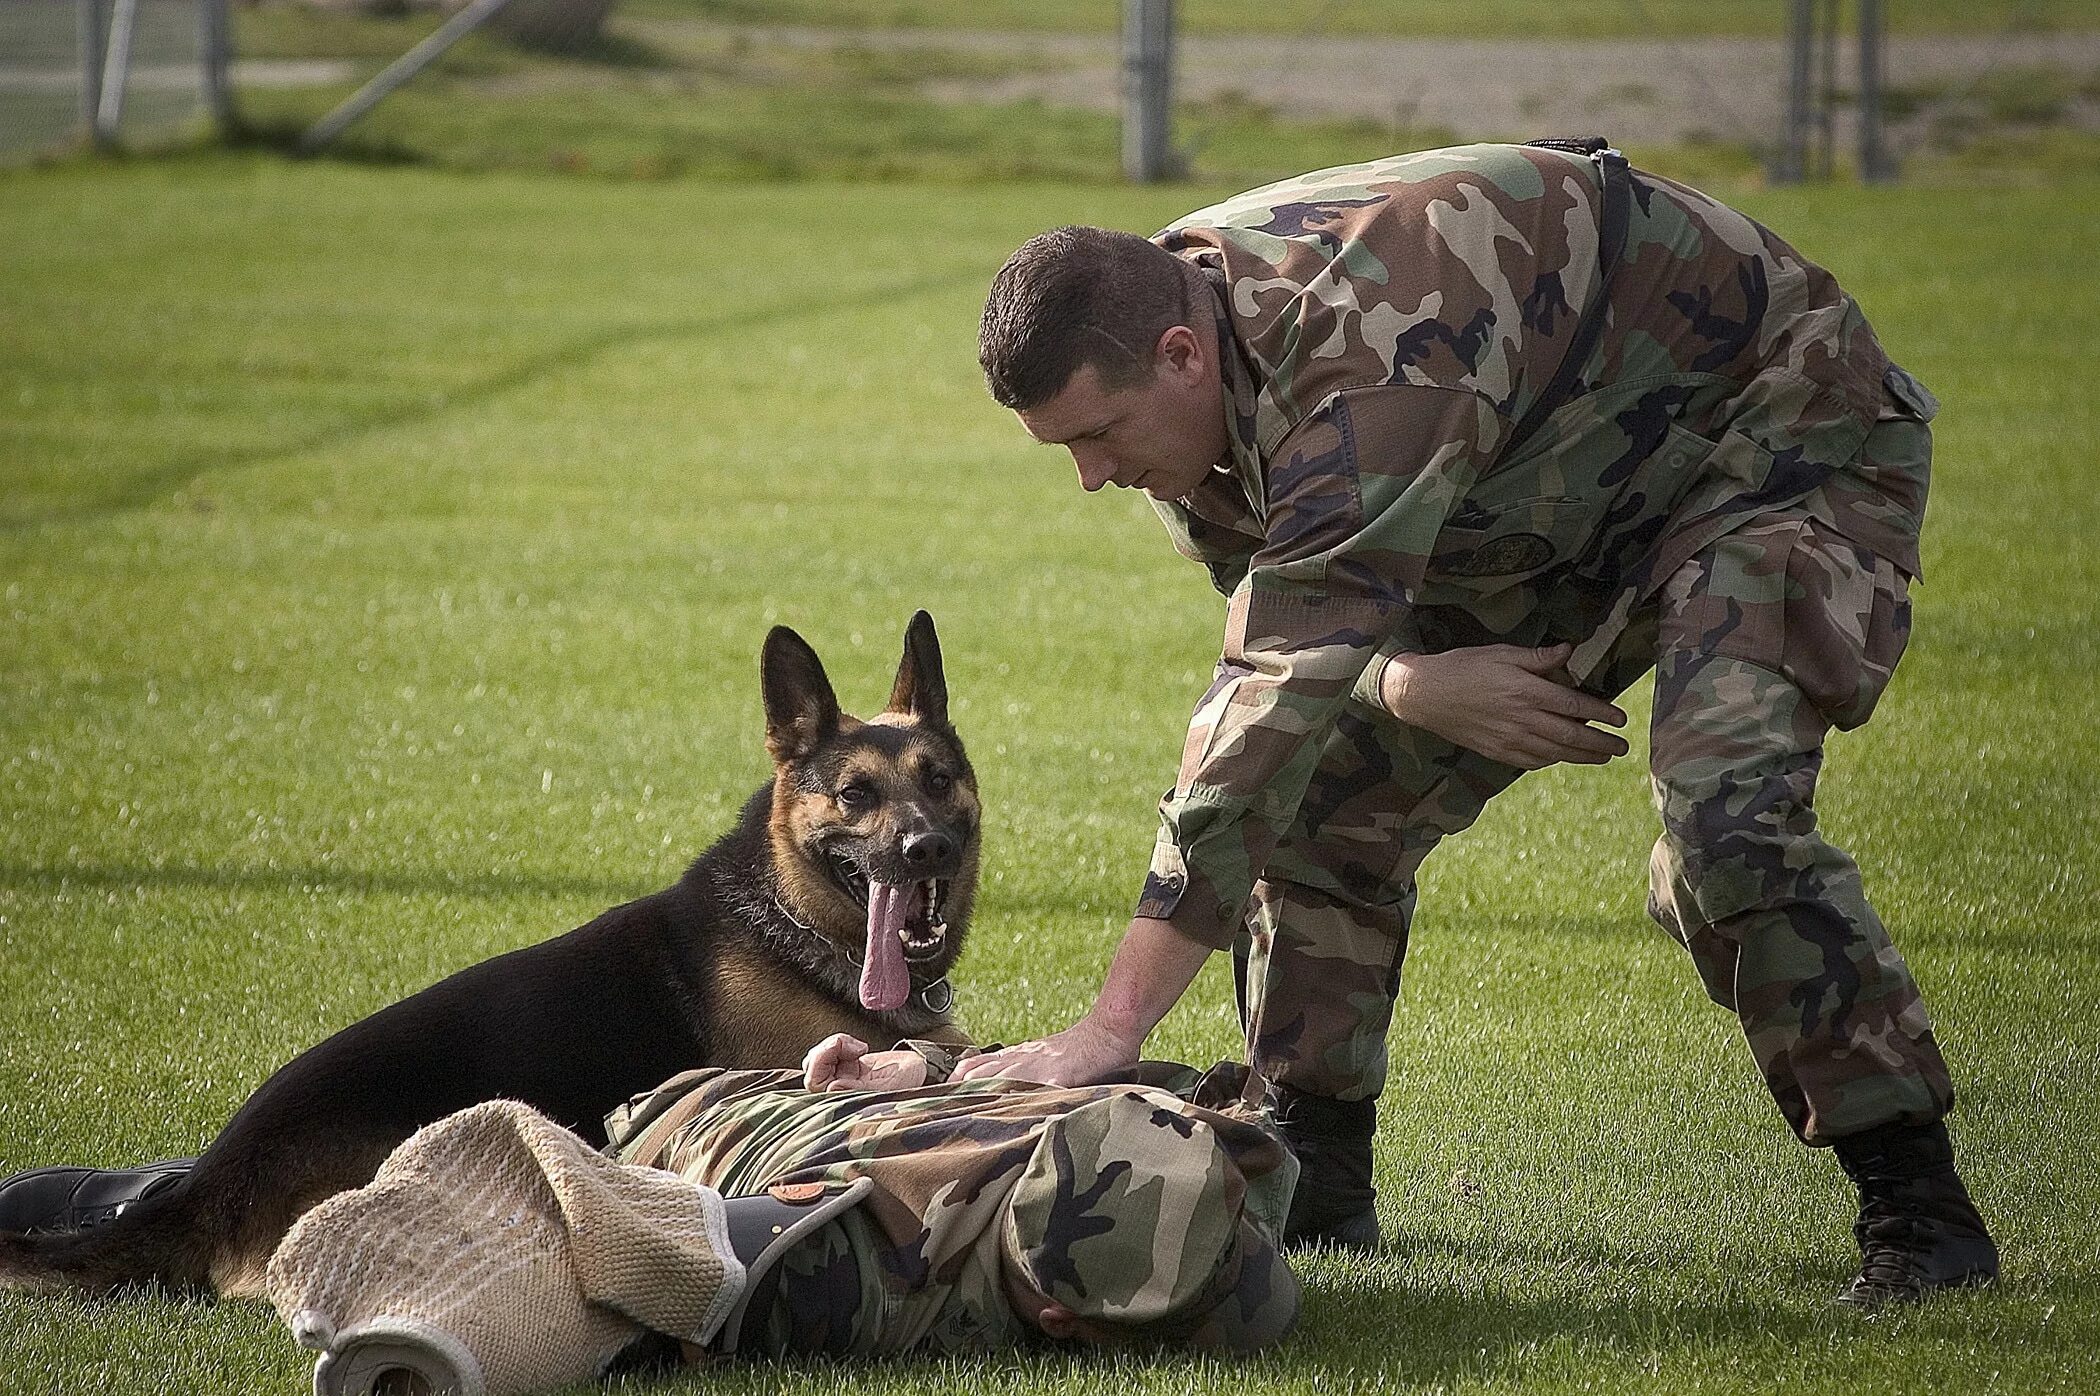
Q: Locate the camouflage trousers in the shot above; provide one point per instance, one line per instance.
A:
(1761, 643)
(834, 1296)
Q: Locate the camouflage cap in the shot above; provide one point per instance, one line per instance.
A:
(1132, 1213)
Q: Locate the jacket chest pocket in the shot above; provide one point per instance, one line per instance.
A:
(1601, 522)
(1483, 549)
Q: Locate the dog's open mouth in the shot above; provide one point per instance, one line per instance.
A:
(904, 925)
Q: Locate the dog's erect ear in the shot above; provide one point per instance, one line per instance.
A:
(802, 713)
(921, 688)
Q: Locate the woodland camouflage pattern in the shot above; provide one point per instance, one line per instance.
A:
(1733, 494)
(1127, 1203)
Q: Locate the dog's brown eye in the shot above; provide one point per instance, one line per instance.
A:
(858, 795)
(939, 781)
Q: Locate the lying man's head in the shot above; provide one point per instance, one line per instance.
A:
(1105, 344)
(1129, 1226)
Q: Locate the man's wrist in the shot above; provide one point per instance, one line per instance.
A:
(1399, 683)
(1123, 1032)
(1152, 968)
(1387, 687)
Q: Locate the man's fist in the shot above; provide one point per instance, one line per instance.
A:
(842, 1063)
(1510, 703)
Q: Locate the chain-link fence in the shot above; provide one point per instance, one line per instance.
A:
(1655, 83)
(996, 88)
(138, 73)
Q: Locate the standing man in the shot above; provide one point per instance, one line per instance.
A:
(1472, 439)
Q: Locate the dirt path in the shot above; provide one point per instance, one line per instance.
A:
(1661, 90)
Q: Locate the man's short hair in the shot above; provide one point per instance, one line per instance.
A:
(1076, 296)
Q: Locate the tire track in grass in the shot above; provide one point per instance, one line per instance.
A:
(151, 486)
(24, 877)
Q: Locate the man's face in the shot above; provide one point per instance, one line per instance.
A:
(1160, 436)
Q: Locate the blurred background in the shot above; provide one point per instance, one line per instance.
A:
(1242, 90)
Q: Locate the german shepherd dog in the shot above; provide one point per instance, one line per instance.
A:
(837, 904)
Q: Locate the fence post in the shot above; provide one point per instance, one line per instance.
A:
(214, 45)
(116, 71)
(1875, 167)
(1826, 93)
(1792, 163)
(88, 13)
(1148, 89)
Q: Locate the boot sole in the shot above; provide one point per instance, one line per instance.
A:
(1868, 1300)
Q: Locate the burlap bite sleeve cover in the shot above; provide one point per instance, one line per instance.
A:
(498, 1254)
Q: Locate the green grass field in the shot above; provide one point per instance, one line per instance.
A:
(384, 556)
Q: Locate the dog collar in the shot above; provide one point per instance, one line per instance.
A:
(937, 997)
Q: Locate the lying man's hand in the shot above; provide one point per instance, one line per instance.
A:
(842, 1063)
(1079, 1056)
(1510, 703)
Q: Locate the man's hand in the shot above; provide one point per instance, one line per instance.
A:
(1153, 966)
(842, 1063)
(1510, 703)
(1080, 1055)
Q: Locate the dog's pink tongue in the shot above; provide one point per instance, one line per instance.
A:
(885, 980)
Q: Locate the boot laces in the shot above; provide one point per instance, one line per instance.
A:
(1893, 1239)
(1889, 1250)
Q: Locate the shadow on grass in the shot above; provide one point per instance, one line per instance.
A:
(1375, 1335)
(1439, 1337)
(608, 50)
(2001, 936)
(1425, 1340)
(152, 484)
(485, 886)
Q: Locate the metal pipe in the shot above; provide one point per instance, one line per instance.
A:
(1826, 97)
(214, 44)
(1875, 166)
(116, 71)
(398, 72)
(88, 14)
(1793, 144)
(1148, 89)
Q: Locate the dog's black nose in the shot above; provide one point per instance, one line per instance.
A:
(928, 849)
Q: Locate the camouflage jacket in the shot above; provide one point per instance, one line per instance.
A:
(927, 1276)
(1382, 327)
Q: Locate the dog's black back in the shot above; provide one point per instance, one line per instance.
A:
(714, 970)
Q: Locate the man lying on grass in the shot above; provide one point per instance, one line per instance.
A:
(1472, 439)
(891, 1213)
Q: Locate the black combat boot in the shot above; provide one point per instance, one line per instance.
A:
(1334, 1201)
(1917, 1230)
(73, 1199)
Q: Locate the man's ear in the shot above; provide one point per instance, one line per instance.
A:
(802, 713)
(921, 688)
(1058, 1321)
(1180, 352)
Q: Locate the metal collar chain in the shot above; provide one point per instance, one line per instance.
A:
(937, 997)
